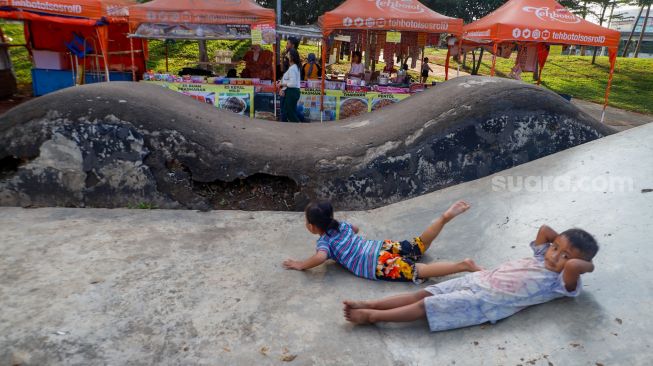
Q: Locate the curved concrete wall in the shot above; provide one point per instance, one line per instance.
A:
(110, 145)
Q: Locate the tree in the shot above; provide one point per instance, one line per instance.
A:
(307, 11)
(468, 10)
(604, 4)
(641, 34)
(301, 12)
(632, 31)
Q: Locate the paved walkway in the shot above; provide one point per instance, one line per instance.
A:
(617, 118)
(118, 287)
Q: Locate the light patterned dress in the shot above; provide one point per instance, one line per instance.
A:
(491, 295)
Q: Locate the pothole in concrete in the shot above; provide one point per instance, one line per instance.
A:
(258, 192)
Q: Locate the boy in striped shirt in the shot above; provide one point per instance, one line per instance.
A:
(373, 259)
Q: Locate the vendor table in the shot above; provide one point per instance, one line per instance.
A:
(255, 100)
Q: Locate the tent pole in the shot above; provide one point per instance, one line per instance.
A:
(131, 53)
(324, 54)
(460, 52)
(166, 43)
(274, 76)
(539, 68)
(105, 52)
(613, 59)
(494, 58)
(446, 64)
(420, 73)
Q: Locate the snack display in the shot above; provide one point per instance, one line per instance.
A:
(233, 104)
(352, 107)
(380, 103)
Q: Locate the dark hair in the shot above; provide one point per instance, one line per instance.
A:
(232, 73)
(320, 214)
(583, 241)
(294, 41)
(294, 56)
(426, 59)
(405, 66)
(359, 55)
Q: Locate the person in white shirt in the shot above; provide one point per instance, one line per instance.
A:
(290, 84)
(357, 69)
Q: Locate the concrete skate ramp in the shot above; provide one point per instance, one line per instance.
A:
(118, 287)
(118, 144)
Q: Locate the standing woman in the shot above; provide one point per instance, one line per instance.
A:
(290, 86)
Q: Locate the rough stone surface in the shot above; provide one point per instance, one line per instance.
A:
(142, 143)
(133, 287)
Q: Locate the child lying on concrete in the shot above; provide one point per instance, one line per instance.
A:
(374, 259)
(476, 298)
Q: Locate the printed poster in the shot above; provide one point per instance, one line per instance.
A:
(238, 99)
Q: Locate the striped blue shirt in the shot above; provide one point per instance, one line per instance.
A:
(351, 251)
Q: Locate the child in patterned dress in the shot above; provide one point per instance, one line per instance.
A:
(554, 271)
(374, 259)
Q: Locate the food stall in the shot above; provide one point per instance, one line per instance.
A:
(534, 25)
(393, 29)
(76, 42)
(253, 93)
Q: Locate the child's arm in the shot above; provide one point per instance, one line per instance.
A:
(430, 69)
(314, 261)
(355, 228)
(545, 235)
(573, 269)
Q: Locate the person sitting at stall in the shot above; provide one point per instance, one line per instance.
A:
(232, 74)
(390, 68)
(258, 63)
(311, 70)
(357, 70)
(402, 75)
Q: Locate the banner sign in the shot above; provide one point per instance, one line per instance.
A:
(235, 98)
(393, 37)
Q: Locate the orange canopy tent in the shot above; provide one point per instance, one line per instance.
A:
(390, 15)
(185, 12)
(49, 24)
(204, 20)
(404, 15)
(543, 22)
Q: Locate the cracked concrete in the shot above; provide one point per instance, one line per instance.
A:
(131, 287)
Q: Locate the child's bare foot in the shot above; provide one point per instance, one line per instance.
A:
(470, 266)
(455, 210)
(358, 316)
(351, 304)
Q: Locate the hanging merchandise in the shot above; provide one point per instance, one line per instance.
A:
(505, 50)
(433, 40)
(530, 60)
(421, 39)
(389, 50)
(526, 61)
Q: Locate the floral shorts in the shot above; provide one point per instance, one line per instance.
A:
(397, 260)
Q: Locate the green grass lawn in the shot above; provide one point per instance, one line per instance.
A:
(632, 88)
(19, 55)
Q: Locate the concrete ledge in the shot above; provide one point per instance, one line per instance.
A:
(117, 144)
